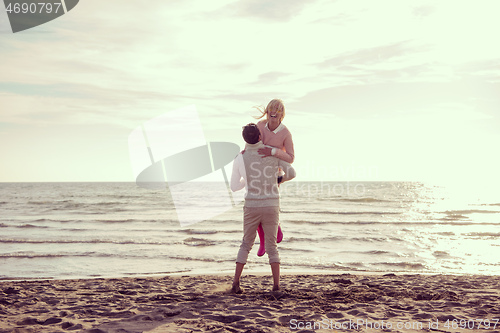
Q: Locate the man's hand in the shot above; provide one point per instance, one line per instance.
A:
(265, 151)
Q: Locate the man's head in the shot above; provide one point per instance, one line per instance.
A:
(251, 133)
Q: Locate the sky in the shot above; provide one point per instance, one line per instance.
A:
(374, 90)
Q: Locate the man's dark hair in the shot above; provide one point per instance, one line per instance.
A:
(251, 133)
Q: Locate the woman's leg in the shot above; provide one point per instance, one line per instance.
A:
(279, 237)
(262, 238)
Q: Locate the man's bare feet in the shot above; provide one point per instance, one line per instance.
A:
(236, 289)
(276, 288)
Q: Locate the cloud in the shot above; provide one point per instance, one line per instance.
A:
(487, 69)
(69, 103)
(270, 77)
(338, 19)
(423, 11)
(372, 55)
(268, 10)
(254, 98)
(388, 99)
(46, 90)
(381, 75)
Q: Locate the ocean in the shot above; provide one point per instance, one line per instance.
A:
(85, 230)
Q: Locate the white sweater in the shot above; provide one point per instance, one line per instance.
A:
(259, 176)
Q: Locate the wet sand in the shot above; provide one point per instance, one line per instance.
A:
(306, 303)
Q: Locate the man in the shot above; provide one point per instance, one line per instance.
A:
(259, 176)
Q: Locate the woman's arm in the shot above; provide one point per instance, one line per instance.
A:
(283, 155)
(289, 171)
(287, 156)
(289, 148)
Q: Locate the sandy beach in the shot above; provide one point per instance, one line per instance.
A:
(306, 303)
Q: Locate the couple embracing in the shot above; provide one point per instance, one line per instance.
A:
(260, 168)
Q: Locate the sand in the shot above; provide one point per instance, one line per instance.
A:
(306, 303)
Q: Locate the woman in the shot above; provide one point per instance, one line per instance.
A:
(274, 133)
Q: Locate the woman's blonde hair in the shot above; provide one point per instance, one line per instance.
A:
(274, 105)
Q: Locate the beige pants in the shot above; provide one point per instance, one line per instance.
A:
(252, 217)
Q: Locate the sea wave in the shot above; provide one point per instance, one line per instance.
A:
(199, 232)
(309, 240)
(81, 241)
(363, 200)
(483, 234)
(198, 242)
(403, 265)
(441, 254)
(58, 220)
(32, 255)
(470, 211)
(374, 253)
(452, 217)
(29, 226)
(378, 252)
(293, 249)
(33, 202)
(129, 220)
(117, 221)
(107, 203)
(416, 223)
(341, 238)
(188, 258)
(328, 212)
(355, 266)
(376, 239)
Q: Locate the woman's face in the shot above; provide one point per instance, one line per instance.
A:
(274, 116)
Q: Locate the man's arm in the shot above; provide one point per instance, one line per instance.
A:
(288, 169)
(237, 181)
